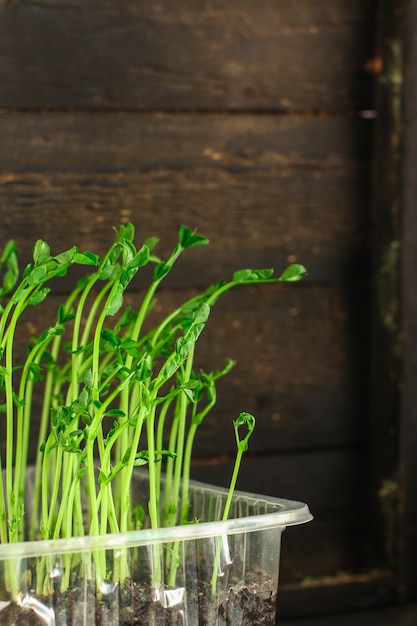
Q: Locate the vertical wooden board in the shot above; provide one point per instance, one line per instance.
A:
(197, 56)
(408, 423)
(390, 189)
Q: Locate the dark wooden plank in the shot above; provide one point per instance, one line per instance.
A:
(198, 55)
(333, 485)
(387, 616)
(331, 597)
(298, 370)
(256, 219)
(295, 368)
(280, 190)
(87, 142)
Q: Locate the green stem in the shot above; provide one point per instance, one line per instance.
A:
(42, 435)
(153, 504)
(169, 514)
(3, 510)
(185, 504)
(244, 419)
(160, 439)
(182, 423)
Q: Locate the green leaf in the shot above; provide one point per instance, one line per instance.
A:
(202, 314)
(115, 304)
(87, 380)
(264, 274)
(189, 394)
(60, 415)
(138, 516)
(109, 336)
(9, 256)
(242, 275)
(63, 316)
(151, 242)
(139, 461)
(127, 317)
(182, 347)
(86, 419)
(129, 251)
(130, 347)
(248, 420)
(189, 239)
(106, 271)
(27, 270)
(126, 456)
(81, 470)
(115, 413)
(127, 276)
(84, 397)
(53, 331)
(170, 367)
(140, 259)
(41, 252)
(126, 231)
(144, 369)
(37, 274)
(146, 400)
(193, 383)
(161, 270)
(293, 273)
(86, 258)
(64, 258)
(19, 402)
(252, 275)
(38, 296)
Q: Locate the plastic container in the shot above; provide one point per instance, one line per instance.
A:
(170, 581)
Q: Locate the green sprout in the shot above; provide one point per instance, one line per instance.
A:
(245, 420)
(117, 394)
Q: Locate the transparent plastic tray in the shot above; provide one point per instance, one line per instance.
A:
(58, 586)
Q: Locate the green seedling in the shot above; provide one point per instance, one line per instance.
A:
(245, 420)
(117, 393)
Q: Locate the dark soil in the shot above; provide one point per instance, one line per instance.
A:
(251, 605)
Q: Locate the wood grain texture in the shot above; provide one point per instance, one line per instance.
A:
(298, 370)
(242, 120)
(198, 55)
(387, 616)
(338, 532)
(265, 191)
(334, 598)
(113, 142)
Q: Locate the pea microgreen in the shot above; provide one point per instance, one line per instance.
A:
(116, 396)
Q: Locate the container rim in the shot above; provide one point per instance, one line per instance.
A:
(289, 513)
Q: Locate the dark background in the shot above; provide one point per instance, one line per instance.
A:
(276, 129)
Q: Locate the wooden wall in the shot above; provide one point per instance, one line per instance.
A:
(252, 122)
